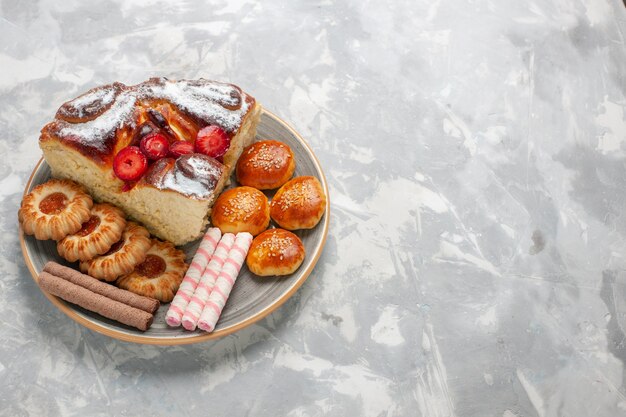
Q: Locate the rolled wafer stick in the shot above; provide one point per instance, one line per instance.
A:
(149, 305)
(192, 277)
(97, 303)
(225, 282)
(201, 295)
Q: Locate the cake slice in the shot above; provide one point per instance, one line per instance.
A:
(173, 197)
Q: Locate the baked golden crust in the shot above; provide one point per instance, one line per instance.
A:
(54, 209)
(123, 256)
(266, 165)
(96, 236)
(159, 275)
(105, 119)
(241, 209)
(299, 204)
(275, 252)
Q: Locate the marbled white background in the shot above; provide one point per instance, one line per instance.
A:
(476, 157)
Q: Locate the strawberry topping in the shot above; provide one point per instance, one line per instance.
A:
(154, 146)
(130, 164)
(212, 141)
(180, 147)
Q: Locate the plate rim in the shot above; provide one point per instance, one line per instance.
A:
(172, 341)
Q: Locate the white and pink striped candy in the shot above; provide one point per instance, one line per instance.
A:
(225, 281)
(201, 295)
(192, 277)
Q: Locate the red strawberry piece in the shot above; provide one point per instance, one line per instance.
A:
(154, 146)
(130, 164)
(180, 147)
(212, 141)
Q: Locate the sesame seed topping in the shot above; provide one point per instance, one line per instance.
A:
(266, 157)
(297, 194)
(242, 204)
(276, 245)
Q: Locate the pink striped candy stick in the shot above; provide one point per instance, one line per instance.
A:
(225, 281)
(201, 295)
(192, 277)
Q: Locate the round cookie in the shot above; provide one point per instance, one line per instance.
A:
(299, 204)
(54, 209)
(265, 165)
(241, 209)
(275, 252)
(96, 236)
(159, 275)
(123, 256)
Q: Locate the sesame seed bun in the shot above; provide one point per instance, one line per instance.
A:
(275, 252)
(241, 209)
(299, 204)
(265, 165)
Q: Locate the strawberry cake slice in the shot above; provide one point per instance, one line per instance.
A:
(161, 150)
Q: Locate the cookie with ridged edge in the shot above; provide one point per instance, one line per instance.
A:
(123, 256)
(54, 209)
(104, 227)
(159, 275)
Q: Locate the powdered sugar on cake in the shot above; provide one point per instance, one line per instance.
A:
(98, 97)
(113, 105)
(213, 102)
(194, 175)
(96, 132)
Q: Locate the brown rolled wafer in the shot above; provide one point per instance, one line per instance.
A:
(149, 305)
(97, 303)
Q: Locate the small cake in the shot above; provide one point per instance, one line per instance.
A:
(123, 256)
(54, 209)
(159, 275)
(104, 227)
(241, 209)
(161, 150)
(299, 204)
(275, 252)
(266, 165)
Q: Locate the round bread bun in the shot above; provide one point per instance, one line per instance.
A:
(299, 204)
(241, 209)
(265, 165)
(275, 252)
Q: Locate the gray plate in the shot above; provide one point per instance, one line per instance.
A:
(252, 297)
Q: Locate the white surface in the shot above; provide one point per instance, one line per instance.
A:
(475, 154)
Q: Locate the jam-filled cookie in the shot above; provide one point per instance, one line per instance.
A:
(159, 275)
(122, 257)
(299, 204)
(54, 209)
(275, 252)
(265, 165)
(241, 209)
(98, 234)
